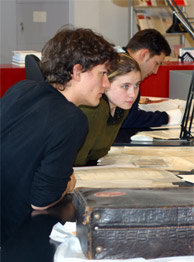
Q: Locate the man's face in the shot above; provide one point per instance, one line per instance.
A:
(94, 83)
(150, 65)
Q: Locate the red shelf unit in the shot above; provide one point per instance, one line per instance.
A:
(154, 85)
(158, 85)
(9, 75)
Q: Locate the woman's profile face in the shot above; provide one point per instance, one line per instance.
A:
(124, 90)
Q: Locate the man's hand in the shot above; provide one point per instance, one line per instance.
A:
(175, 116)
(71, 184)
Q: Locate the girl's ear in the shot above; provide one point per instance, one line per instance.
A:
(77, 70)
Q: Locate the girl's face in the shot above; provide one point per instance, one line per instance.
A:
(124, 90)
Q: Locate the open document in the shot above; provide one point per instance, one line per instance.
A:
(124, 177)
(168, 104)
(168, 158)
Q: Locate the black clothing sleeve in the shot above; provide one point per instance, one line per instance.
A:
(138, 118)
(41, 132)
(51, 178)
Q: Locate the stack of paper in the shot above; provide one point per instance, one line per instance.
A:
(157, 23)
(150, 2)
(142, 21)
(158, 2)
(152, 19)
(142, 3)
(18, 57)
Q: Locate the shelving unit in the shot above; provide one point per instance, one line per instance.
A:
(162, 16)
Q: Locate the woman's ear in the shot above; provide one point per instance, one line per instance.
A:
(77, 70)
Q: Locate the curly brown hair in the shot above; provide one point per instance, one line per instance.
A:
(75, 46)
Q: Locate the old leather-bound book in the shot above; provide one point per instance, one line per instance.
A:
(127, 223)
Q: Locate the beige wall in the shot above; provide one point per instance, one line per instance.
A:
(108, 17)
(111, 18)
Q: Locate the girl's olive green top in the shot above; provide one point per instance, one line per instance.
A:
(103, 130)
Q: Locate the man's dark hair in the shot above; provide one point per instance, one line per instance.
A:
(75, 46)
(150, 39)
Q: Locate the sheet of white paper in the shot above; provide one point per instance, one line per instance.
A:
(187, 178)
(164, 106)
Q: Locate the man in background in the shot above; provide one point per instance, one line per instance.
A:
(149, 48)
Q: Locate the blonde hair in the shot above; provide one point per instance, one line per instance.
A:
(126, 65)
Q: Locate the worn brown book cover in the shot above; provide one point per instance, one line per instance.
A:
(119, 223)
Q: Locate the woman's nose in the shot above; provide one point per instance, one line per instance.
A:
(131, 92)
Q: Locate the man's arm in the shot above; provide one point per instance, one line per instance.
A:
(138, 118)
(53, 177)
(70, 186)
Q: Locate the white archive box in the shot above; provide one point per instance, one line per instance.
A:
(186, 54)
